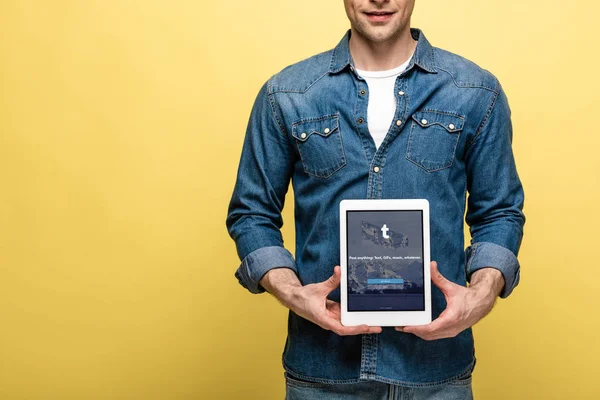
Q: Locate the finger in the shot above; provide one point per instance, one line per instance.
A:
(375, 329)
(334, 323)
(342, 330)
(334, 280)
(366, 329)
(424, 332)
(438, 279)
(334, 307)
(331, 321)
(439, 327)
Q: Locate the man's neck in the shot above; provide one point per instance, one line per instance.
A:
(370, 56)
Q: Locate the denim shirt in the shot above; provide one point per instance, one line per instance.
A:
(451, 135)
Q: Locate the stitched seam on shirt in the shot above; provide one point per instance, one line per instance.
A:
(300, 91)
(380, 176)
(320, 380)
(322, 173)
(483, 121)
(433, 65)
(421, 385)
(474, 248)
(334, 57)
(246, 232)
(451, 113)
(318, 119)
(379, 378)
(272, 104)
(466, 86)
(357, 130)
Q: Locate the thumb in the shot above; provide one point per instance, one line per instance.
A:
(334, 280)
(438, 279)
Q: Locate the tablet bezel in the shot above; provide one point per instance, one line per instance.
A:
(384, 318)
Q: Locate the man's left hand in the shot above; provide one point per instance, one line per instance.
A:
(465, 305)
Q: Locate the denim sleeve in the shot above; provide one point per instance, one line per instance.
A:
(495, 205)
(256, 264)
(254, 215)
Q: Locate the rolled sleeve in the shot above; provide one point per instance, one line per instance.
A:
(496, 197)
(484, 255)
(256, 264)
(254, 217)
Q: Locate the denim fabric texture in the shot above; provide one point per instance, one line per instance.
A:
(451, 135)
(460, 389)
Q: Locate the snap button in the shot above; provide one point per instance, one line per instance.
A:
(327, 130)
(399, 122)
(424, 121)
(303, 135)
(401, 93)
(376, 169)
(451, 126)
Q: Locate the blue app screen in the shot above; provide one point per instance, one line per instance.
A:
(385, 260)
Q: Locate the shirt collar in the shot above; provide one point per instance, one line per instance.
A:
(423, 56)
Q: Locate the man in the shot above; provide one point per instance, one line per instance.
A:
(383, 115)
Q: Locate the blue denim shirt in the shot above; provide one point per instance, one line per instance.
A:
(451, 135)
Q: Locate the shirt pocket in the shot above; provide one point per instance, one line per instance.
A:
(319, 143)
(433, 139)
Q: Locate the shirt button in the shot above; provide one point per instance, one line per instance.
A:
(399, 122)
(327, 130)
(401, 93)
(360, 120)
(363, 92)
(303, 135)
(424, 121)
(451, 126)
(376, 169)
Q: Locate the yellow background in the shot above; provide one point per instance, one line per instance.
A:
(121, 124)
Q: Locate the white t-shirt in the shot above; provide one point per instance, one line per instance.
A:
(382, 100)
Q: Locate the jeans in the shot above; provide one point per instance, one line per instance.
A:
(372, 390)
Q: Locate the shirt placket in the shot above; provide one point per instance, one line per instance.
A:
(376, 160)
(369, 343)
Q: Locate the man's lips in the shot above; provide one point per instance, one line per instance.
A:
(379, 16)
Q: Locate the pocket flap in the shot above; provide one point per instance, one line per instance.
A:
(450, 121)
(323, 126)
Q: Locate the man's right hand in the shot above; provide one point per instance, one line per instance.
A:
(310, 301)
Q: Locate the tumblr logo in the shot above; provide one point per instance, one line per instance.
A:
(384, 231)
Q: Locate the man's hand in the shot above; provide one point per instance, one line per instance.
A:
(465, 305)
(310, 301)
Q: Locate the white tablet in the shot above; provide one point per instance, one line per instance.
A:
(384, 256)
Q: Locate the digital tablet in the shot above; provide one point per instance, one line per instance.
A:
(384, 257)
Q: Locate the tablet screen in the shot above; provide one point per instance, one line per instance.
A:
(385, 260)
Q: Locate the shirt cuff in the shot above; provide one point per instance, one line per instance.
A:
(256, 264)
(485, 254)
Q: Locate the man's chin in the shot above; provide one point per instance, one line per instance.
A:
(380, 36)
